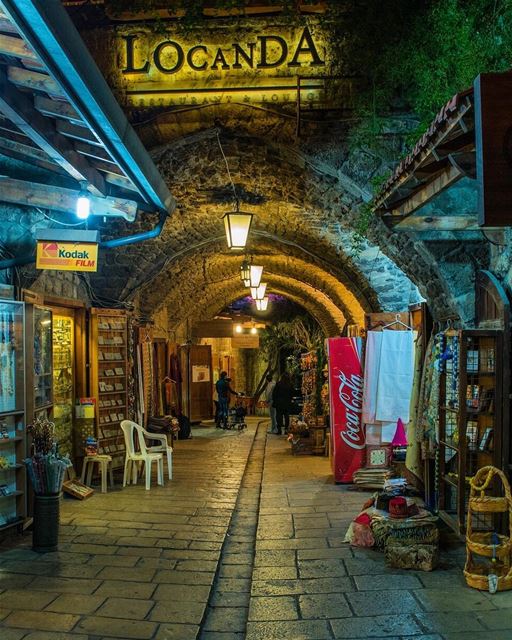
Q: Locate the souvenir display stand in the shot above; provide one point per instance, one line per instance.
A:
(474, 403)
(109, 379)
(39, 361)
(469, 417)
(13, 499)
(308, 366)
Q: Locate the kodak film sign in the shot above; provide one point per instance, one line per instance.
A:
(67, 256)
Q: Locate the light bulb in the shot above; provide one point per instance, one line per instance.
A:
(238, 328)
(83, 203)
(254, 330)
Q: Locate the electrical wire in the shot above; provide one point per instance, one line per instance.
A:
(227, 167)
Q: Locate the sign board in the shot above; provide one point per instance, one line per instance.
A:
(67, 256)
(346, 402)
(200, 373)
(254, 63)
(245, 342)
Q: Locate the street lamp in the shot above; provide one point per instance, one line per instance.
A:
(258, 293)
(237, 225)
(245, 273)
(262, 305)
(256, 273)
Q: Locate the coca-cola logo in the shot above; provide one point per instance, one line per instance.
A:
(350, 393)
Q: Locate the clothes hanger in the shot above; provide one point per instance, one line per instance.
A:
(167, 379)
(397, 321)
(450, 331)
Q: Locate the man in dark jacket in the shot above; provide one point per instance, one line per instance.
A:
(223, 390)
(282, 399)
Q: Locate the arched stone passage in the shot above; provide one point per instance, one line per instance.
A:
(212, 301)
(196, 274)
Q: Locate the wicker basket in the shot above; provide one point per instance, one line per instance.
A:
(480, 543)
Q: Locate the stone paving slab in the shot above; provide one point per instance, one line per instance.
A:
(134, 563)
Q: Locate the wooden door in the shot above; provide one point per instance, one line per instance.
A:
(197, 388)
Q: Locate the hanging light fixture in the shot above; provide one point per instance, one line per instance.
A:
(83, 202)
(237, 225)
(256, 273)
(258, 293)
(262, 305)
(245, 273)
(238, 328)
(254, 331)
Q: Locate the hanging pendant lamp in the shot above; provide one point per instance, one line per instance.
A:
(256, 274)
(237, 225)
(258, 293)
(262, 305)
(245, 273)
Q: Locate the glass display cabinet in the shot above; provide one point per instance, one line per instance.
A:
(12, 414)
(470, 417)
(63, 380)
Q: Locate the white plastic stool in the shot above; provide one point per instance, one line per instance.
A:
(105, 463)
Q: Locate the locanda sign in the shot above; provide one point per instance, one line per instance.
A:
(169, 56)
(263, 67)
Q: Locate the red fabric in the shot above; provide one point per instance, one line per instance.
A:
(363, 518)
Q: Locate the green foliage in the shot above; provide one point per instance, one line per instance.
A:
(413, 55)
(300, 334)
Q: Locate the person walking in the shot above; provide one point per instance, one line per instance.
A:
(223, 390)
(269, 390)
(282, 398)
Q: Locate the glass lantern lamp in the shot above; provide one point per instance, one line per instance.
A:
(258, 293)
(237, 225)
(262, 305)
(245, 273)
(256, 274)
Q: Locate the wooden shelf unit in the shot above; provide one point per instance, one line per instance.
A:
(109, 379)
(470, 419)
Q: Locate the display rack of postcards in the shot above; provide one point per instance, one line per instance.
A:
(470, 417)
(308, 365)
(39, 361)
(109, 379)
(12, 414)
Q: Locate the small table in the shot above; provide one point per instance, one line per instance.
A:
(105, 463)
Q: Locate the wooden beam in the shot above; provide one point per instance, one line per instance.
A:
(32, 155)
(57, 109)
(60, 199)
(18, 107)
(424, 194)
(465, 162)
(107, 167)
(120, 181)
(35, 81)
(91, 151)
(438, 223)
(6, 24)
(16, 48)
(77, 132)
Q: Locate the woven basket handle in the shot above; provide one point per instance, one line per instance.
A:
(483, 478)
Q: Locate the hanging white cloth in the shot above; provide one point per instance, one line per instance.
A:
(371, 375)
(395, 377)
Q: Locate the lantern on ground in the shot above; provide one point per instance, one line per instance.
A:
(237, 225)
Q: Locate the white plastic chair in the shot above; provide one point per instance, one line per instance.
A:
(164, 447)
(134, 457)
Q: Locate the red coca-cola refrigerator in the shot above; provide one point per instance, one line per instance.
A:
(346, 383)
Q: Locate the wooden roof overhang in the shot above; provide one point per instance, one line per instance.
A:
(58, 113)
(442, 156)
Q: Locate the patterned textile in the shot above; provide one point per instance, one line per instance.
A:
(428, 411)
(413, 456)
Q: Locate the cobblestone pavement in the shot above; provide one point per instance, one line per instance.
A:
(245, 542)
